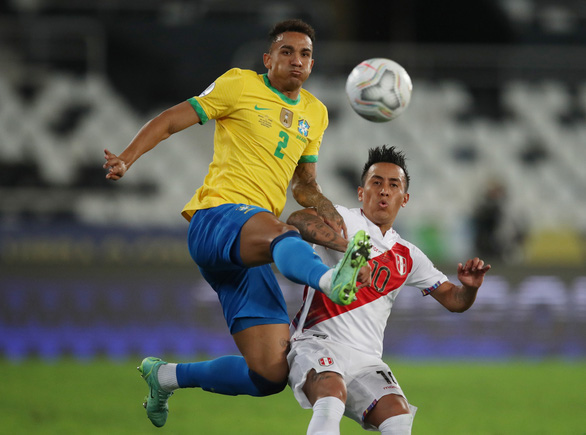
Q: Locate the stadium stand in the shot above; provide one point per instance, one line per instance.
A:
(52, 162)
(515, 113)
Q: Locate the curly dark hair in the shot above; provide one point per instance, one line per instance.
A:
(295, 25)
(386, 154)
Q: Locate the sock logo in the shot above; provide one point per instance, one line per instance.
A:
(325, 362)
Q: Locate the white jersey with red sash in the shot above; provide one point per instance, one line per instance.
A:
(395, 264)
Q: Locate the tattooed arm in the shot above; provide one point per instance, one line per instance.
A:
(314, 230)
(307, 193)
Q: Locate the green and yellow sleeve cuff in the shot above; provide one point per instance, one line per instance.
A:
(203, 118)
(308, 159)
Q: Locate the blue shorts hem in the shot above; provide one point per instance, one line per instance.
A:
(243, 323)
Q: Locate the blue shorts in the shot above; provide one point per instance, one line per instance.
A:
(249, 295)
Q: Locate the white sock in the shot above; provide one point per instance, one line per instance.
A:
(327, 413)
(167, 377)
(325, 282)
(397, 425)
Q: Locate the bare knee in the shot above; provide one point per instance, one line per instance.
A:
(274, 231)
(387, 406)
(265, 227)
(273, 369)
(286, 228)
(324, 384)
(256, 237)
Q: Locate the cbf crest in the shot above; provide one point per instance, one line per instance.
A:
(303, 127)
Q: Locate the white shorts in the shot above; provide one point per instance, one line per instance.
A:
(367, 377)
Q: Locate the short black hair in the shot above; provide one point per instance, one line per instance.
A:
(386, 154)
(294, 25)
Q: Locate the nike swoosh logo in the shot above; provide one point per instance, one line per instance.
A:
(261, 108)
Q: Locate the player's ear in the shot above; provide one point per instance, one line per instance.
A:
(405, 200)
(360, 193)
(266, 60)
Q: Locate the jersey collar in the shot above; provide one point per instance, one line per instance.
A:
(281, 96)
(389, 235)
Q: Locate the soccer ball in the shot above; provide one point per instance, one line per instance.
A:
(379, 89)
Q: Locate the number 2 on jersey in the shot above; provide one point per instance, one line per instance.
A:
(282, 144)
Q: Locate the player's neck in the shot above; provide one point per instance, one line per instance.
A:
(292, 94)
(385, 228)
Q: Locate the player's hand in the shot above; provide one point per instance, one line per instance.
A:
(330, 216)
(117, 167)
(364, 276)
(471, 274)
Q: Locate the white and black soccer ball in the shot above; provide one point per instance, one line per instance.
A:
(379, 89)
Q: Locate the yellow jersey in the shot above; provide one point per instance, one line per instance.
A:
(260, 137)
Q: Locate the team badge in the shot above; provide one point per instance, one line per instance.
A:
(207, 90)
(401, 263)
(286, 117)
(325, 362)
(303, 127)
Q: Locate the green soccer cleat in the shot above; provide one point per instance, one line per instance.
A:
(346, 271)
(156, 402)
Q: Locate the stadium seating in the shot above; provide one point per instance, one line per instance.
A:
(51, 143)
(531, 150)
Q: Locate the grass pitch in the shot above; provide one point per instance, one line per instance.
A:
(105, 397)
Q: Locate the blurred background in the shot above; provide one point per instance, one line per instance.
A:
(495, 136)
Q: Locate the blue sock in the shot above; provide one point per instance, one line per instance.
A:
(296, 259)
(226, 375)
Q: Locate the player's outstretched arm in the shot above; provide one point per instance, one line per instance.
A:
(314, 230)
(150, 135)
(458, 298)
(307, 193)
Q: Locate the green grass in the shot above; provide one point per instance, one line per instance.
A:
(104, 397)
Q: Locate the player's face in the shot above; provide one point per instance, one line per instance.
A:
(289, 62)
(383, 194)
